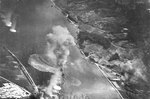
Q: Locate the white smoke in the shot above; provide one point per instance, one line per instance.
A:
(9, 20)
(134, 70)
(13, 27)
(57, 52)
(58, 43)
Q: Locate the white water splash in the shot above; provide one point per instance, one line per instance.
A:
(56, 52)
(58, 45)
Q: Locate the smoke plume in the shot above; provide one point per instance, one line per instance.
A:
(58, 43)
(54, 57)
(58, 50)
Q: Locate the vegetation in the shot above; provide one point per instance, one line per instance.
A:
(115, 34)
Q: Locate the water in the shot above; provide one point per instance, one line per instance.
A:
(35, 22)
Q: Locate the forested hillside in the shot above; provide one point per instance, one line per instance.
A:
(116, 35)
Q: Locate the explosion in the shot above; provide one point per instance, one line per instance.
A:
(9, 20)
(54, 58)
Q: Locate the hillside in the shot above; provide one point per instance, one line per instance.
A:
(115, 34)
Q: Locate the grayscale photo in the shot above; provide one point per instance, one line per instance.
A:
(74, 49)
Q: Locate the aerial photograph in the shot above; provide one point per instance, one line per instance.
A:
(74, 49)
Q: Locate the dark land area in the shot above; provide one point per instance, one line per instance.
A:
(115, 34)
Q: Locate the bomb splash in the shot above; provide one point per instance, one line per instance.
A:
(54, 58)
